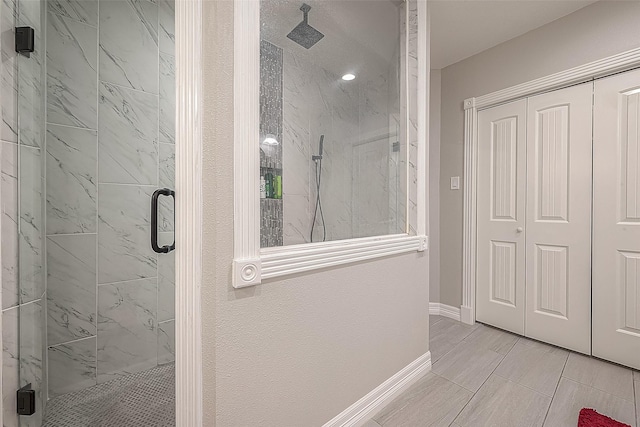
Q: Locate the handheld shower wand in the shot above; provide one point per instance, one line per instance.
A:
(318, 160)
(319, 156)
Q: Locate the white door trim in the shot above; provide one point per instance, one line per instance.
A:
(590, 71)
(189, 96)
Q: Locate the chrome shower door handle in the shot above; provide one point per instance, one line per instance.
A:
(154, 221)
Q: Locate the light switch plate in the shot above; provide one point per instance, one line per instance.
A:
(455, 182)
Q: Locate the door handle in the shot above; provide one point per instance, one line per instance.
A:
(154, 220)
(519, 229)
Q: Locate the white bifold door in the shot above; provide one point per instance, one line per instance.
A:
(616, 219)
(534, 217)
(501, 199)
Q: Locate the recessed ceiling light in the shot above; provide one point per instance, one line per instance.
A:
(270, 140)
(348, 77)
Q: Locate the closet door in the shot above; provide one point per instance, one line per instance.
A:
(558, 228)
(500, 216)
(616, 219)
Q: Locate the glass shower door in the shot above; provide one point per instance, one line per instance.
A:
(30, 98)
(87, 137)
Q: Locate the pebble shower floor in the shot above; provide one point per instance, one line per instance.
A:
(143, 399)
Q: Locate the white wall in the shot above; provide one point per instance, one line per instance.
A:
(434, 185)
(292, 352)
(599, 30)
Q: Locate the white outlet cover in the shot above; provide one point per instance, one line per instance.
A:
(455, 182)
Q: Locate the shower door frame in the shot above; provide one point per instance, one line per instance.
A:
(252, 263)
(189, 200)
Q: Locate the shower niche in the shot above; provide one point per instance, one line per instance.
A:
(335, 95)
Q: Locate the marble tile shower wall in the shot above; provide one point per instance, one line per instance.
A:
(109, 144)
(317, 102)
(21, 167)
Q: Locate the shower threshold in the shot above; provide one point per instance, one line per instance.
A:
(144, 399)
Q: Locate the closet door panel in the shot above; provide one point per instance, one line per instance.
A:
(616, 231)
(558, 226)
(500, 203)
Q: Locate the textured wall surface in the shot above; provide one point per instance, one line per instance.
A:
(294, 351)
(594, 32)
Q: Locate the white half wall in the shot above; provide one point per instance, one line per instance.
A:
(594, 32)
(297, 351)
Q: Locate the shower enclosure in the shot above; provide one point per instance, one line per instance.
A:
(333, 123)
(87, 137)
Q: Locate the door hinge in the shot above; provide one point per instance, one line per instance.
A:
(26, 400)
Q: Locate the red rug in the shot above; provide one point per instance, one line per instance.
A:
(590, 418)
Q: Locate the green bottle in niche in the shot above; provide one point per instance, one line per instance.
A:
(268, 178)
(279, 187)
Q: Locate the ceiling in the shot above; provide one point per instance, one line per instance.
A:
(462, 28)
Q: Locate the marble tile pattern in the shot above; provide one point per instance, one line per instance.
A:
(166, 280)
(71, 287)
(10, 365)
(72, 61)
(8, 73)
(85, 11)
(71, 183)
(127, 328)
(167, 97)
(31, 88)
(9, 177)
(129, 44)
(166, 342)
(31, 230)
(32, 356)
(166, 28)
(127, 135)
(72, 366)
(124, 227)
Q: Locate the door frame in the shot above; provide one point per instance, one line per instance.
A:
(189, 199)
(584, 73)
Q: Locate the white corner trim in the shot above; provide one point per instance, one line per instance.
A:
(365, 408)
(437, 309)
(188, 212)
(251, 263)
(613, 64)
(246, 134)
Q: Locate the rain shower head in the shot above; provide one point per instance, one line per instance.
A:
(304, 34)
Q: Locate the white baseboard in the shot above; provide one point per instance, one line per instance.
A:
(365, 408)
(437, 309)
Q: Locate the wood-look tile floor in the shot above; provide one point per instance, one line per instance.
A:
(483, 376)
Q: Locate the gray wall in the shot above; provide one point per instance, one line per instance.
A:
(293, 351)
(599, 30)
